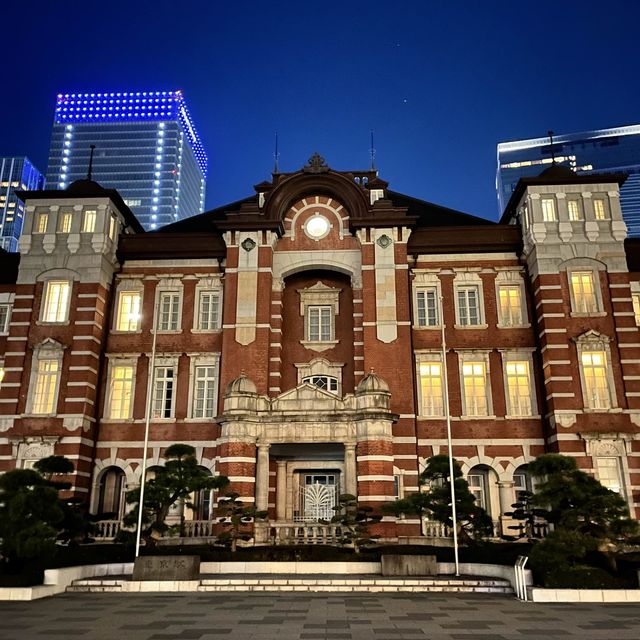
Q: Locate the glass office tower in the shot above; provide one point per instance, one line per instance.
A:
(16, 174)
(147, 148)
(603, 151)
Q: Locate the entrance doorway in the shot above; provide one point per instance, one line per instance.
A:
(318, 494)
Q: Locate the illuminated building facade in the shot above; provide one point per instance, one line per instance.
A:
(146, 146)
(16, 174)
(606, 150)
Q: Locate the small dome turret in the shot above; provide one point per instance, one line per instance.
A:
(241, 384)
(372, 383)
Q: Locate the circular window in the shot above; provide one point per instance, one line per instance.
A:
(317, 227)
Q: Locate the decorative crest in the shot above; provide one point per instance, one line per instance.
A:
(316, 164)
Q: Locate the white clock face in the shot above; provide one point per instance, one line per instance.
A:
(317, 227)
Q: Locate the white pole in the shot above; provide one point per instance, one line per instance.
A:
(447, 414)
(147, 419)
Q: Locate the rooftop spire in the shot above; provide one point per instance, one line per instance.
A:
(276, 156)
(90, 168)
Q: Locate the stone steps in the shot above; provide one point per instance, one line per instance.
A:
(305, 584)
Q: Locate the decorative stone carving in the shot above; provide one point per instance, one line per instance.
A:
(565, 419)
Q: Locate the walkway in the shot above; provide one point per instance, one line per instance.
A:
(311, 617)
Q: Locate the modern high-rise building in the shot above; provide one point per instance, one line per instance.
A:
(606, 150)
(146, 146)
(17, 173)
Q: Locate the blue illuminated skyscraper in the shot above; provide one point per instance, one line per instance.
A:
(614, 150)
(16, 174)
(147, 148)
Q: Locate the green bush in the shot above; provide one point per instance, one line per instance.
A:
(582, 577)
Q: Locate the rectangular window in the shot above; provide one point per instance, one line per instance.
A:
(549, 209)
(5, 315)
(168, 310)
(1, 371)
(636, 307)
(204, 398)
(320, 323)
(609, 473)
(41, 223)
(112, 227)
(427, 307)
(431, 389)
(594, 372)
(56, 301)
(64, 222)
(510, 301)
(121, 392)
(599, 209)
(46, 386)
(209, 310)
(163, 392)
(468, 305)
(89, 221)
(518, 388)
(584, 295)
(475, 389)
(129, 303)
(575, 212)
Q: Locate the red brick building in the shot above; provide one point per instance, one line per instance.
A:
(300, 335)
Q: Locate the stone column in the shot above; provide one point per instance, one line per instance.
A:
(507, 498)
(281, 491)
(350, 483)
(291, 498)
(262, 478)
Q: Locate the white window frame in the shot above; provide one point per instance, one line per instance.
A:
(89, 219)
(595, 342)
(511, 278)
(578, 214)
(48, 351)
(210, 285)
(426, 282)
(60, 311)
(160, 365)
(635, 300)
(1, 371)
(331, 382)
(619, 473)
(549, 209)
(41, 222)
(197, 361)
(604, 211)
(169, 317)
(582, 310)
(65, 220)
(474, 357)
(518, 356)
(463, 281)
(5, 317)
(430, 319)
(169, 287)
(113, 225)
(319, 297)
(430, 358)
(133, 323)
(113, 364)
(321, 367)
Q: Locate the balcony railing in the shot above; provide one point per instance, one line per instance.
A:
(107, 529)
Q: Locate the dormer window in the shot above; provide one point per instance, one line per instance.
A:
(549, 209)
(375, 194)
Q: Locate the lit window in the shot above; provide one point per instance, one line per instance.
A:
(475, 389)
(46, 386)
(636, 307)
(163, 392)
(5, 315)
(64, 222)
(89, 222)
(129, 303)
(1, 371)
(584, 295)
(329, 383)
(427, 307)
(319, 324)
(56, 301)
(169, 310)
(208, 310)
(594, 375)
(204, 392)
(41, 223)
(599, 209)
(112, 228)
(609, 473)
(121, 392)
(575, 213)
(510, 301)
(549, 210)
(431, 389)
(518, 388)
(468, 305)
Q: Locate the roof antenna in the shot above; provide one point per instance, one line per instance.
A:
(553, 155)
(90, 169)
(276, 156)
(372, 153)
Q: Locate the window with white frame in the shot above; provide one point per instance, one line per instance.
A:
(474, 383)
(609, 474)
(42, 220)
(321, 373)
(575, 210)
(129, 311)
(204, 391)
(89, 221)
(636, 307)
(319, 306)
(431, 385)
(121, 385)
(169, 311)
(328, 383)
(427, 307)
(600, 209)
(113, 227)
(478, 486)
(548, 209)
(163, 392)
(1, 371)
(45, 391)
(319, 323)
(510, 305)
(56, 301)
(596, 379)
(468, 305)
(518, 387)
(64, 221)
(583, 292)
(208, 310)
(5, 316)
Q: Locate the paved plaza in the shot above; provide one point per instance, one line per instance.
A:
(311, 617)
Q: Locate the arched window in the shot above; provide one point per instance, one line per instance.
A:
(522, 480)
(112, 488)
(329, 383)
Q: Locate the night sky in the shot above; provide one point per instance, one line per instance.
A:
(440, 83)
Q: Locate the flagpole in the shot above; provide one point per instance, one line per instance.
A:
(447, 414)
(147, 420)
